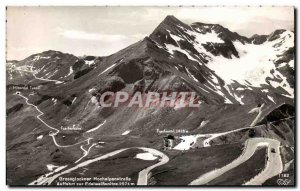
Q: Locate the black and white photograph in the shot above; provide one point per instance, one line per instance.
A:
(130, 96)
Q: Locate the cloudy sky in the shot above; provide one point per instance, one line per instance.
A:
(101, 31)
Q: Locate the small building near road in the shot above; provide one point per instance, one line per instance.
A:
(169, 142)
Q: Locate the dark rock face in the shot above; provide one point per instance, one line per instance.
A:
(82, 72)
(286, 70)
(78, 64)
(279, 124)
(42, 99)
(130, 72)
(185, 45)
(286, 56)
(14, 109)
(224, 33)
(170, 23)
(112, 84)
(258, 39)
(275, 35)
(89, 58)
(282, 112)
(226, 49)
(67, 102)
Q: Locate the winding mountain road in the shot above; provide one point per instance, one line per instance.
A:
(48, 179)
(272, 168)
(259, 111)
(56, 131)
(273, 165)
(142, 178)
(143, 175)
(206, 142)
(48, 80)
(38, 78)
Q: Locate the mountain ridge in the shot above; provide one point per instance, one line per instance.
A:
(172, 19)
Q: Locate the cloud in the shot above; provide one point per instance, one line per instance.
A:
(240, 19)
(83, 35)
(105, 30)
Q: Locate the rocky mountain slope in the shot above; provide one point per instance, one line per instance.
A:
(231, 74)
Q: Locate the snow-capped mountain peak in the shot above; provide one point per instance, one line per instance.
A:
(257, 61)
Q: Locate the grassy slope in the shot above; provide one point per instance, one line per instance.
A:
(121, 165)
(244, 171)
(187, 166)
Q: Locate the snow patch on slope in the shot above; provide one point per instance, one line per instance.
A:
(205, 38)
(126, 132)
(171, 48)
(191, 75)
(71, 71)
(89, 62)
(255, 63)
(51, 167)
(270, 98)
(94, 129)
(40, 137)
(108, 68)
(186, 142)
